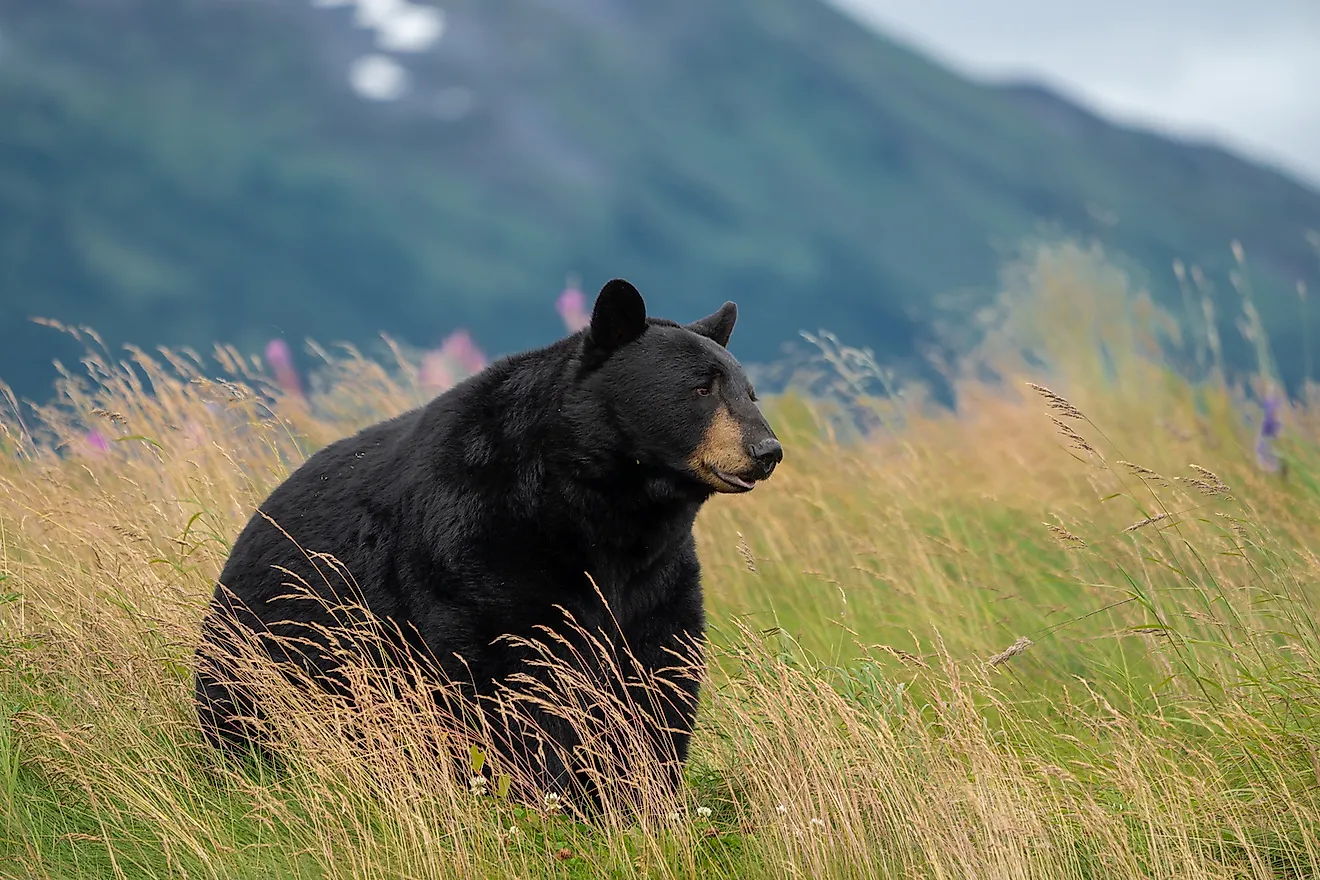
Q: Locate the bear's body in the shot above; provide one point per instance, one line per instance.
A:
(474, 516)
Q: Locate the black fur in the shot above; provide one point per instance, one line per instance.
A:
(472, 516)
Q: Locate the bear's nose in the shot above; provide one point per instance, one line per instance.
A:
(767, 453)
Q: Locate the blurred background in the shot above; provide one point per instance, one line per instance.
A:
(452, 173)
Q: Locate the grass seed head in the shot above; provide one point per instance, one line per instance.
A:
(1205, 472)
(1077, 441)
(1144, 473)
(1209, 484)
(1236, 527)
(1013, 650)
(1057, 402)
(1150, 520)
(746, 553)
(1065, 536)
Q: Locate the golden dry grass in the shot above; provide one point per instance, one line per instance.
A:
(1067, 632)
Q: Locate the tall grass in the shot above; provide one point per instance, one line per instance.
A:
(1066, 632)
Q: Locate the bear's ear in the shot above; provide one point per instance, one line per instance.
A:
(719, 326)
(618, 317)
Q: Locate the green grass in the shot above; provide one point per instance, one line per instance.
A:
(911, 674)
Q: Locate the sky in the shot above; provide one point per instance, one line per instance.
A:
(1245, 75)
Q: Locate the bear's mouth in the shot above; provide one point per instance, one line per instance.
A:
(734, 482)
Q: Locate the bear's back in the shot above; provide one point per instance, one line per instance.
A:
(328, 505)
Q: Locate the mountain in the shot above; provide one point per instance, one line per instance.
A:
(184, 171)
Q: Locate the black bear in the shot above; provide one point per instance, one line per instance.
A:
(521, 491)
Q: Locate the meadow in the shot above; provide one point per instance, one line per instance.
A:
(1065, 631)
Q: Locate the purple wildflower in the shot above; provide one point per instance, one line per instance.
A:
(280, 359)
(97, 443)
(462, 350)
(572, 308)
(434, 373)
(1270, 428)
(457, 356)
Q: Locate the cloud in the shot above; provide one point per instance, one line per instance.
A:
(1240, 74)
(378, 78)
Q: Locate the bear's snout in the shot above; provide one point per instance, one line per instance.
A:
(766, 454)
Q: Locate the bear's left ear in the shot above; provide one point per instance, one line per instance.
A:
(719, 326)
(618, 317)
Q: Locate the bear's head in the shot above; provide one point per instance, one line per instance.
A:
(681, 401)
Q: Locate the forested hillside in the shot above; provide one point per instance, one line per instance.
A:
(185, 171)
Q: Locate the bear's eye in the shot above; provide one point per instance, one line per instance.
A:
(703, 390)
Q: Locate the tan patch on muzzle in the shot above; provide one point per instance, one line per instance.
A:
(721, 448)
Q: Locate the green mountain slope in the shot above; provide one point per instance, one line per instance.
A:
(208, 174)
